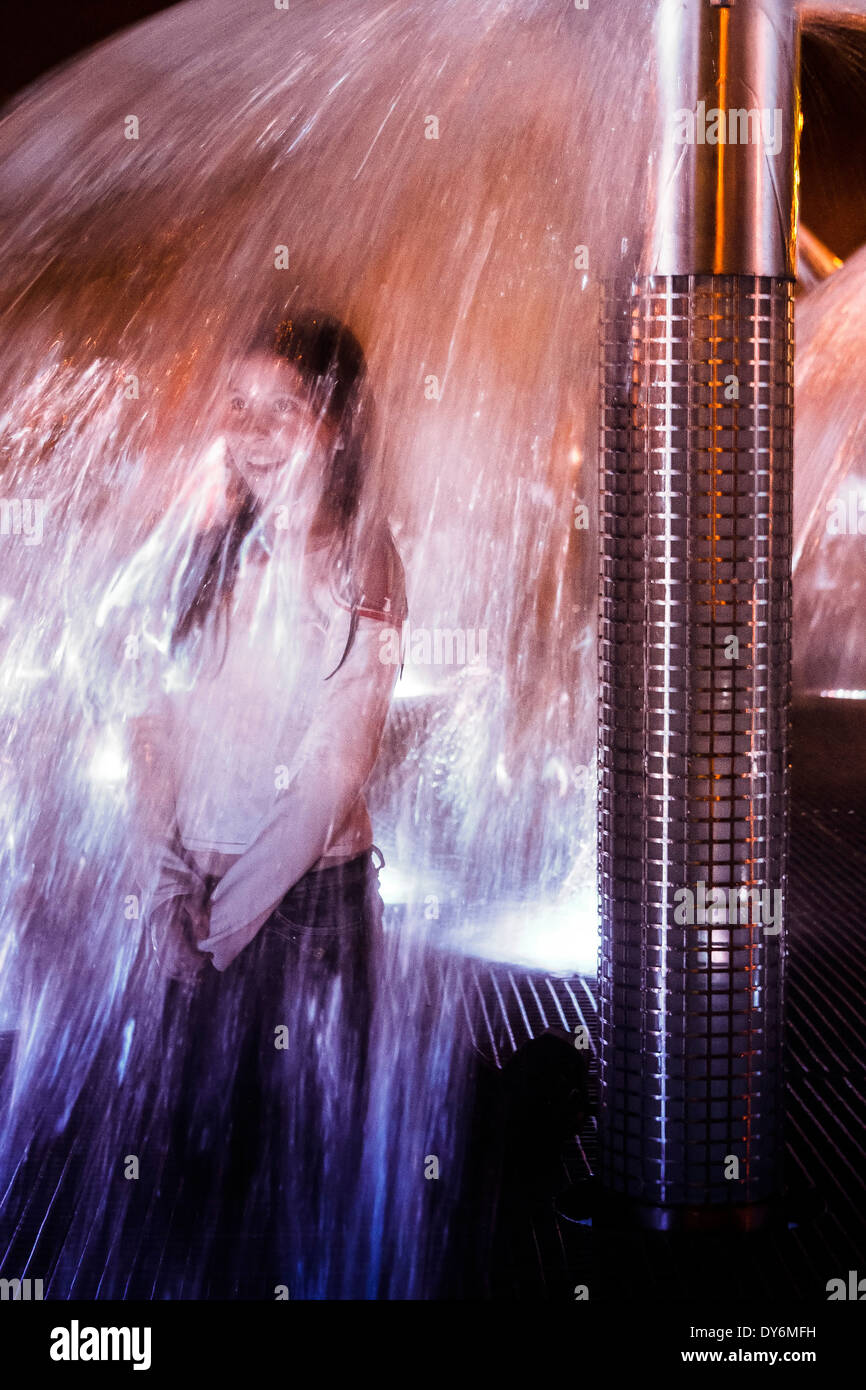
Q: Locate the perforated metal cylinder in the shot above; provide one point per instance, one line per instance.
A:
(695, 655)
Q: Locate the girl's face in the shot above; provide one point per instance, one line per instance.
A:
(273, 437)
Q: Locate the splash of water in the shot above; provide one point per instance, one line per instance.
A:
(394, 165)
(454, 182)
(830, 500)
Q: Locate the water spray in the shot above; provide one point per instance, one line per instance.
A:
(695, 634)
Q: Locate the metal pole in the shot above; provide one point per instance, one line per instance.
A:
(695, 634)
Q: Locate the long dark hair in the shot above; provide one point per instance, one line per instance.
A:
(331, 363)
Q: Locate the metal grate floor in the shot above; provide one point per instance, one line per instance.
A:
(548, 1254)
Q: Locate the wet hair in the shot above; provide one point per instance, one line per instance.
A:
(332, 367)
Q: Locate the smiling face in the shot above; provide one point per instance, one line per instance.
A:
(274, 439)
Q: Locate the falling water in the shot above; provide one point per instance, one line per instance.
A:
(830, 499)
(817, 13)
(454, 181)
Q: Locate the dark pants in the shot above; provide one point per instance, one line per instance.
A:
(269, 1089)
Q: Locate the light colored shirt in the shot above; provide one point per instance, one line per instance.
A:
(269, 758)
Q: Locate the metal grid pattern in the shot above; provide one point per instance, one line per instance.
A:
(695, 632)
(823, 1225)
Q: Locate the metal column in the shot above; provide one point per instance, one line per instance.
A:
(695, 634)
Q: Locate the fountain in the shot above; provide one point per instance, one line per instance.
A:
(399, 166)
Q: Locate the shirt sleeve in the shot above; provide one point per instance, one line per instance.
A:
(333, 764)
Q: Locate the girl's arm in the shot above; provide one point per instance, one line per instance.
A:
(334, 762)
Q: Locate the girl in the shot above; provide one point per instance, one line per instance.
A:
(248, 773)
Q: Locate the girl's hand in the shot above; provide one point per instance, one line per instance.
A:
(176, 927)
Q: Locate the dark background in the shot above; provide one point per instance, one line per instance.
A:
(38, 37)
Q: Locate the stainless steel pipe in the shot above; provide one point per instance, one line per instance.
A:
(724, 186)
(695, 635)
